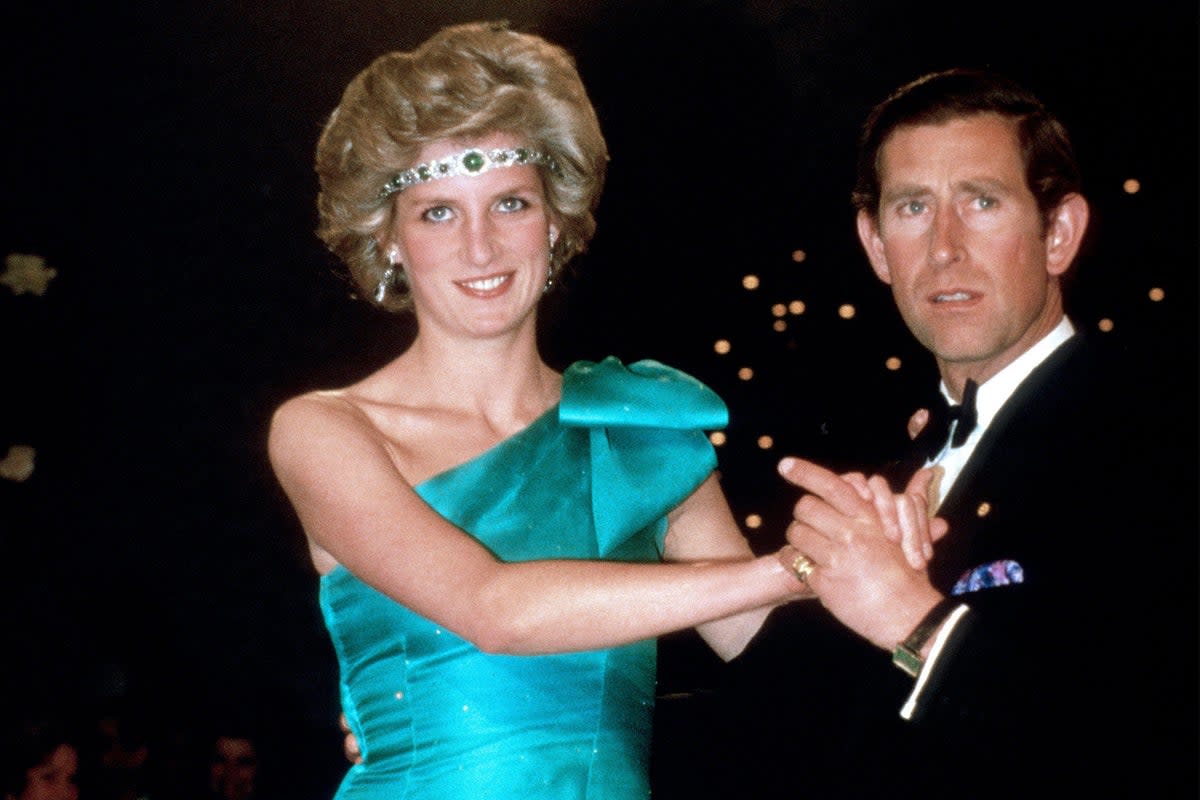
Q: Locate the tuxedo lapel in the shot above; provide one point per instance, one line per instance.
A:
(998, 460)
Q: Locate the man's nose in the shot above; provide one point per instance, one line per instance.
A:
(945, 239)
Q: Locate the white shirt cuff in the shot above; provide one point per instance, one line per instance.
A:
(939, 642)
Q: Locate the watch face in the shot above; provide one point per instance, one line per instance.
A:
(907, 660)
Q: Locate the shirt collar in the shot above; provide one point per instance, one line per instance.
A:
(995, 392)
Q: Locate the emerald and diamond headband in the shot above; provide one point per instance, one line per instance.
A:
(469, 162)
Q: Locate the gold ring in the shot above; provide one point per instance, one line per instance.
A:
(803, 566)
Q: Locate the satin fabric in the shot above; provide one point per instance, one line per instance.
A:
(592, 478)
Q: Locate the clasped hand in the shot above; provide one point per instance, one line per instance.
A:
(869, 548)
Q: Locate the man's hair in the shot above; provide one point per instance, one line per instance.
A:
(1051, 171)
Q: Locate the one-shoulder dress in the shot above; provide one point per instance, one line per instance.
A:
(592, 478)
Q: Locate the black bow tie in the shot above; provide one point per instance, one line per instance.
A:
(933, 436)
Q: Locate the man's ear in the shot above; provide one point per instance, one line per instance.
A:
(1064, 233)
(868, 234)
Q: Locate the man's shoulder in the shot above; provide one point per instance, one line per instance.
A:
(1098, 409)
(1090, 376)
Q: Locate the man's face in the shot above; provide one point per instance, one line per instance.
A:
(233, 769)
(959, 238)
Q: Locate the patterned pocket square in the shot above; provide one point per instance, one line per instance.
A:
(987, 576)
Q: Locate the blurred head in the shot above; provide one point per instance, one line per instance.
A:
(466, 84)
(233, 770)
(1050, 170)
(40, 763)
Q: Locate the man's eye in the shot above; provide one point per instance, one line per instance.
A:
(985, 202)
(911, 208)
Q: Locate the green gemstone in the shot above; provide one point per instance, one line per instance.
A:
(473, 161)
(522, 155)
(423, 172)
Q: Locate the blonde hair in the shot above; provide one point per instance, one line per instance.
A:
(465, 82)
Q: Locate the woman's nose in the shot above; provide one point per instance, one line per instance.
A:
(480, 241)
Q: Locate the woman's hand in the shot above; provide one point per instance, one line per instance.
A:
(349, 742)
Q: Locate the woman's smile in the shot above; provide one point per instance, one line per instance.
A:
(487, 286)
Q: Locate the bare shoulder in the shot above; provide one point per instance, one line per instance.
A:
(317, 409)
(325, 448)
(315, 421)
(312, 441)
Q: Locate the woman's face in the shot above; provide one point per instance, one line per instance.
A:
(475, 248)
(54, 778)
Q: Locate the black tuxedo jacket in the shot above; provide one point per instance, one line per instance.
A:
(1081, 679)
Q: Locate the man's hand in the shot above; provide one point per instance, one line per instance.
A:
(917, 422)
(905, 517)
(862, 575)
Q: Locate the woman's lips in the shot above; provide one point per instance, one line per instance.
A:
(487, 286)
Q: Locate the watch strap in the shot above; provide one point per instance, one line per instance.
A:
(907, 655)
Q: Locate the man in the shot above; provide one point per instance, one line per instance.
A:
(233, 767)
(1050, 644)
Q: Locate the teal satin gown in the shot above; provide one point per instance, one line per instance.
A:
(593, 478)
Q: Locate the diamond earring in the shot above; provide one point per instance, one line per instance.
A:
(391, 275)
(550, 266)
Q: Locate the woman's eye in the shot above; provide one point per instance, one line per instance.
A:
(510, 204)
(437, 214)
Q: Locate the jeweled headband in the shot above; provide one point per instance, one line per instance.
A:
(468, 162)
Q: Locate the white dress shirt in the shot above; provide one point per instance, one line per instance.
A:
(991, 397)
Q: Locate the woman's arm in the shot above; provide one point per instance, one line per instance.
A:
(703, 530)
(354, 505)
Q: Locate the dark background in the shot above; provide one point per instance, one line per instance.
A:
(159, 158)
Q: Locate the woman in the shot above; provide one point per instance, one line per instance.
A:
(466, 503)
